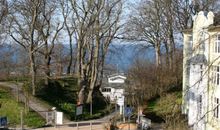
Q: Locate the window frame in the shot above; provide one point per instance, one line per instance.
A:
(216, 107)
(215, 75)
(106, 90)
(216, 48)
(199, 102)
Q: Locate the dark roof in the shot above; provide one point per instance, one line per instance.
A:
(198, 59)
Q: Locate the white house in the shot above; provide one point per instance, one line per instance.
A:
(114, 89)
(201, 73)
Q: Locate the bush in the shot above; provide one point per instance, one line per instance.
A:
(169, 107)
(33, 120)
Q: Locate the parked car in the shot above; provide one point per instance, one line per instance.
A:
(143, 123)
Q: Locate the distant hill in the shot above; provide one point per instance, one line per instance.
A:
(121, 56)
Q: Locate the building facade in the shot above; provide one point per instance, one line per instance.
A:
(114, 87)
(201, 73)
(114, 90)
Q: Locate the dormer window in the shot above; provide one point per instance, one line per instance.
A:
(217, 44)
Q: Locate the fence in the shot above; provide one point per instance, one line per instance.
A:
(84, 125)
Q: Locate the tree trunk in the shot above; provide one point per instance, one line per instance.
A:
(94, 74)
(167, 53)
(172, 49)
(81, 95)
(71, 57)
(47, 69)
(33, 72)
(158, 55)
(47, 64)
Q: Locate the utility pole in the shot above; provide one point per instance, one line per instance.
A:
(21, 119)
(129, 122)
(91, 108)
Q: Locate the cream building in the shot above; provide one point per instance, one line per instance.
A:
(201, 73)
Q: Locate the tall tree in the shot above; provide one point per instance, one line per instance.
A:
(67, 14)
(96, 23)
(145, 25)
(4, 10)
(24, 30)
(49, 28)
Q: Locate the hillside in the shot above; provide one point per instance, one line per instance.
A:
(31, 119)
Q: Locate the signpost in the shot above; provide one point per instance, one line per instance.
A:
(128, 113)
(79, 110)
(3, 122)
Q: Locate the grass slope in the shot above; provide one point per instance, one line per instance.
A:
(167, 109)
(12, 110)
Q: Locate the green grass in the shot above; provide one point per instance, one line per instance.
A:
(12, 110)
(160, 107)
(151, 104)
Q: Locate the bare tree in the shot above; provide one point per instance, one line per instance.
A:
(49, 30)
(59, 59)
(145, 25)
(3, 10)
(70, 28)
(24, 30)
(96, 23)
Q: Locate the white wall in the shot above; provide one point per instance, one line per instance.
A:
(114, 94)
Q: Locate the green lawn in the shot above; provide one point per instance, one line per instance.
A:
(12, 110)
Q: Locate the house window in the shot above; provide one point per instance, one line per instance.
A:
(201, 71)
(200, 104)
(216, 107)
(192, 95)
(106, 90)
(217, 44)
(215, 75)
